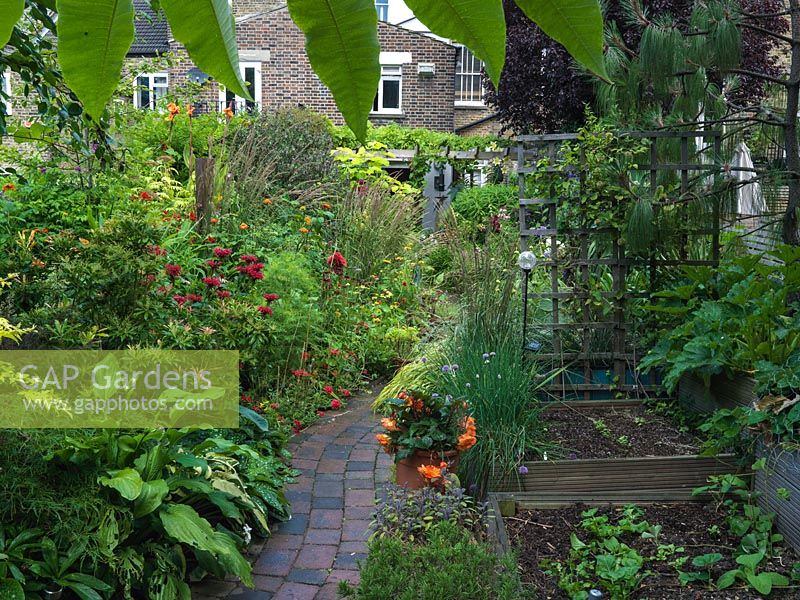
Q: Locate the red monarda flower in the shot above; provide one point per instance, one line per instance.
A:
(222, 252)
(145, 195)
(179, 299)
(335, 404)
(337, 262)
(214, 264)
(335, 352)
(212, 281)
(211, 239)
(249, 258)
(150, 278)
(194, 298)
(271, 297)
(345, 393)
(156, 250)
(301, 373)
(223, 294)
(265, 310)
(173, 270)
(252, 270)
(328, 389)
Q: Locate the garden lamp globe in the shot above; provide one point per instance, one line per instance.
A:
(527, 260)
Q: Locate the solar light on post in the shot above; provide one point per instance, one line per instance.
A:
(527, 261)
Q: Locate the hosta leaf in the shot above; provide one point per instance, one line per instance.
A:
(153, 493)
(126, 481)
(575, 24)
(93, 39)
(207, 30)
(342, 46)
(10, 12)
(478, 24)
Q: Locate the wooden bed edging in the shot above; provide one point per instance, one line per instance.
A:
(497, 527)
(782, 471)
(648, 479)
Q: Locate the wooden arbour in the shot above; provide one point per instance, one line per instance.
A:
(699, 163)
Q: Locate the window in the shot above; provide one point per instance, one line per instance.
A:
(150, 88)
(251, 73)
(382, 6)
(5, 93)
(389, 96)
(469, 81)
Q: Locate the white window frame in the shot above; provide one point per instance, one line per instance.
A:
(5, 83)
(467, 66)
(151, 86)
(382, 8)
(390, 73)
(256, 93)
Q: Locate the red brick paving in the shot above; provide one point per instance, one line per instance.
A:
(332, 504)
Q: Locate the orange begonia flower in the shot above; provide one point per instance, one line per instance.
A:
(430, 472)
(390, 425)
(466, 441)
(383, 439)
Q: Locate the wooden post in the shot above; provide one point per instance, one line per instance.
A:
(205, 173)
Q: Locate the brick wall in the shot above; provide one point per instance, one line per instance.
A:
(287, 79)
(467, 121)
(249, 7)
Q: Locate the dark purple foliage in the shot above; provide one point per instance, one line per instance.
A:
(541, 90)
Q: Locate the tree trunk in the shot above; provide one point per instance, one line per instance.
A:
(790, 232)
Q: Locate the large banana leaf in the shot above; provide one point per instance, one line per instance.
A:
(93, 39)
(342, 46)
(575, 24)
(207, 30)
(10, 12)
(478, 24)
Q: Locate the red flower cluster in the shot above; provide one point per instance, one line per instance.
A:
(222, 252)
(214, 264)
(223, 294)
(297, 426)
(194, 298)
(249, 258)
(265, 310)
(337, 262)
(173, 270)
(335, 404)
(345, 393)
(249, 402)
(271, 297)
(306, 355)
(328, 389)
(212, 281)
(145, 195)
(301, 373)
(211, 239)
(156, 250)
(181, 300)
(253, 270)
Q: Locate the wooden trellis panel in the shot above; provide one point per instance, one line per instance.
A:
(621, 354)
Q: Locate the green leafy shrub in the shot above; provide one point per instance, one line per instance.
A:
(450, 565)
(477, 205)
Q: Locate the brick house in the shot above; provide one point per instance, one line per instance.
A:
(425, 81)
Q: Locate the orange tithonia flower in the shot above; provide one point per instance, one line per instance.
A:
(267, 201)
(228, 112)
(383, 439)
(466, 441)
(430, 472)
(390, 425)
(244, 226)
(303, 230)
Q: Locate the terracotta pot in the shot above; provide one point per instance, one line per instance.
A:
(406, 473)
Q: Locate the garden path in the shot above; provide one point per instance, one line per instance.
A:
(332, 504)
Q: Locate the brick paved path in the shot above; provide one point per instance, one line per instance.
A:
(332, 504)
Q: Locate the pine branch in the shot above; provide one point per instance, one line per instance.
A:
(767, 32)
(783, 13)
(761, 76)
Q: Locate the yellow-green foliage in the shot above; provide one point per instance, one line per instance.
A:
(419, 375)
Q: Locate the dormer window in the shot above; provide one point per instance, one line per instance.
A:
(382, 6)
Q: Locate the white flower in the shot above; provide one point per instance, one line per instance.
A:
(544, 456)
(247, 537)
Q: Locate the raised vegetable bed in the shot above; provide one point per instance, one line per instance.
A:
(617, 454)
(779, 484)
